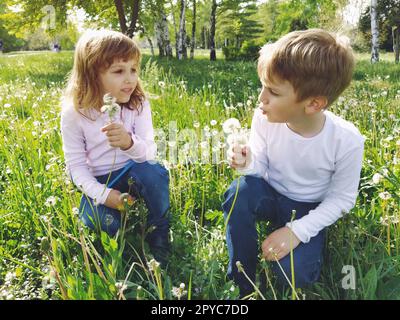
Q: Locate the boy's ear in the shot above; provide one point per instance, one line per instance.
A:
(316, 104)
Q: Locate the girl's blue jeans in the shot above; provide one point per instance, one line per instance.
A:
(150, 181)
(257, 200)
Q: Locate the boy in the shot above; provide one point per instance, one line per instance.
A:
(299, 157)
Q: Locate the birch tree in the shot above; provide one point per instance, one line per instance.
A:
(213, 55)
(374, 32)
(193, 40)
(182, 52)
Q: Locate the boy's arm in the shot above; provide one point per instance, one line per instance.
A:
(144, 148)
(340, 198)
(258, 146)
(75, 159)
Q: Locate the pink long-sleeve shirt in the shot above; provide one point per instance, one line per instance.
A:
(87, 151)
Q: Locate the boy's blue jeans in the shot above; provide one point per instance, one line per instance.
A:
(151, 181)
(257, 200)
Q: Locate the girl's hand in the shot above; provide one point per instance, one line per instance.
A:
(114, 200)
(117, 136)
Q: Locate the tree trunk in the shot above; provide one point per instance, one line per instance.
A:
(121, 15)
(213, 56)
(175, 28)
(165, 35)
(160, 43)
(374, 32)
(396, 39)
(151, 45)
(193, 43)
(134, 18)
(182, 53)
(203, 37)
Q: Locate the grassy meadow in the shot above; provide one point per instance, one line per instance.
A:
(46, 253)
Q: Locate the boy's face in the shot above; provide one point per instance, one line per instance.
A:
(278, 102)
(120, 79)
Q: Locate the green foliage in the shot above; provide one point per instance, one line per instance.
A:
(248, 51)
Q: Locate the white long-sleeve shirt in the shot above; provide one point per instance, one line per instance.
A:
(87, 151)
(324, 168)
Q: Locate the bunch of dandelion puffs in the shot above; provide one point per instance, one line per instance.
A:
(111, 107)
(237, 138)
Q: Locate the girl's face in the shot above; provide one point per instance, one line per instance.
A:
(120, 79)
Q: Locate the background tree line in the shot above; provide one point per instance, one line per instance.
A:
(178, 27)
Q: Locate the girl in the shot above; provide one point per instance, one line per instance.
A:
(102, 155)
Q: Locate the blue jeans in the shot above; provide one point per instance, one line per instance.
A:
(151, 181)
(257, 200)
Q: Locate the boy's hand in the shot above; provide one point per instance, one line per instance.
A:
(239, 157)
(117, 136)
(277, 244)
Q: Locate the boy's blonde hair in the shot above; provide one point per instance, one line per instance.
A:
(314, 61)
(96, 51)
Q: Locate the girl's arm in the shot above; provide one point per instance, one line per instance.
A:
(144, 148)
(75, 157)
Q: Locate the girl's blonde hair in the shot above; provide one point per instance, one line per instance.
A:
(314, 61)
(96, 51)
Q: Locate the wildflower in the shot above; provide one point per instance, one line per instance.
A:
(161, 84)
(10, 276)
(196, 124)
(239, 266)
(111, 107)
(179, 292)
(126, 198)
(207, 104)
(109, 219)
(7, 105)
(231, 125)
(377, 177)
(385, 195)
(121, 287)
(204, 144)
(51, 201)
(153, 265)
(75, 211)
(238, 139)
(213, 122)
(385, 221)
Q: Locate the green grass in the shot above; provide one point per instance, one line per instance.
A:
(44, 252)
